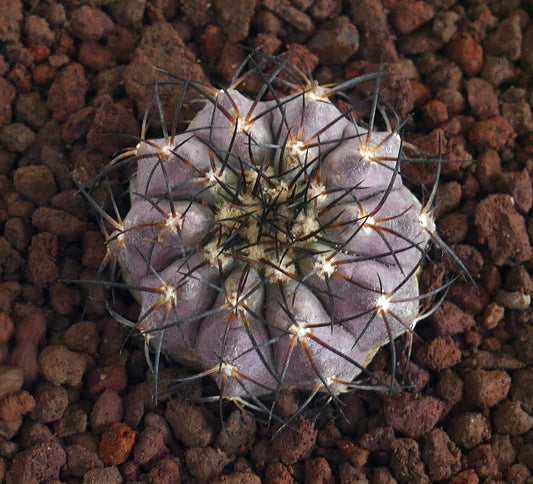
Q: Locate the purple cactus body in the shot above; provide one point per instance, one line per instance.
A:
(272, 244)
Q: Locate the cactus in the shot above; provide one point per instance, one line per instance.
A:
(272, 244)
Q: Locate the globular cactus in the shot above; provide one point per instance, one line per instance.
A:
(272, 244)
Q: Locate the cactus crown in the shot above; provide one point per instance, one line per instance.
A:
(272, 244)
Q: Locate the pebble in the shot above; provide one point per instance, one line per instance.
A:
(335, 42)
(482, 98)
(61, 366)
(441, 455)
(110, 377)
(234, 16)
(51, 402)
(413, 415)
(409, 16)
(150, 446)
(167, 470)
(439, 354)
(89, 23)
(295, 442)
(513, 300)
(510, 418)
(36, 183)
(107, 475)
(116, 444)
(80, 459)
(485, 388)
(205, 463)
(58, 222)
(483, 461)
(406, 464)
(469, 429)
(493, 133)
(506, 40)
(467, 53)
(190, 423)
(17, 137)
(106, 411)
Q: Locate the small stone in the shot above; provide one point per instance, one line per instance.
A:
(439, 354)
(89, 23)
(17, 137)
(335, 41)
(506, 40)
(486, 388)
(510, 418)
(513, 300)
(61, 366)
(36, 183)
(493, 133)
(116, 444)
(408, 16)
(190, 423)
(205, 463)
(442, 457)
(468, 429)
(467, 53)
(483, 461)
(482, 98)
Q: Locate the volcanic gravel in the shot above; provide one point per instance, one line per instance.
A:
(76, 400)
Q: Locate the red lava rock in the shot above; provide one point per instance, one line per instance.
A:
(7, 99)
(450, 387)
(466, 477)
(470, 298)
(166, 471)
(10, 20)
(7, 328)
(67, 93)
(493, 133)
(211, 42)
(442, 457)
(112, 377)
(95, 56)
(116, 444)
(356, 455)
(483, 461)
(190, 423)
(435, 113)
(470, 257)
(518, 185)
(295, 442)
(506, 40)
(17, 137)
(277, 473)
(111, 118)
(107, 475)
(325, 9)
(61, 366)
(63, 299)
(106, 411)
(335, 42)
(521, 388)
(40, 463)
(205, 462)
(88, 23)
(510, 418)
(294, 16)
(450, 319)
(234, 17)
(81, 460)
(502, 229)
(150, 446)
(317, 471)
(408, 16)
(467, 53)
(413, 415)
(439, 354)
(18, 232)
(58, 222)
(519, 116)
(406, 464)
(237, 433)
(51, 401)
(453, 227)
(486, 388)
(41, 268)
(161, 45)
(10, 259)
(82, 336)
(482, 98)
(28, 335)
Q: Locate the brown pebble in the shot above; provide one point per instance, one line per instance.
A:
(408, 16)
(150, 446)
(357, 455)
(335, 42)
(61, 366)
(89, 23)
(205, 463)
(413, 415)
(112, 377)
(483, 461)
(107, 475)
(106, 411)
(406, 464)
(116, 444)
(58, 222)
(439, 354)
(442, 457)
(167, 471)
(190, 423)
(486, 388)
(468, 429)
(510, 418)
(295, 442)
(482, 98)
(450, 319)
(67, 93)
(51, 402)
(317, 471)
(466, 52)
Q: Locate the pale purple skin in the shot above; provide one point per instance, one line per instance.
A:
(237, 318)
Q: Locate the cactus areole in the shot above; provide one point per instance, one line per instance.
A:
(272, 245)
